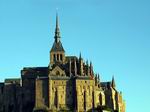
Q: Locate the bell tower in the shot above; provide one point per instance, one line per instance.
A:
(57, 52)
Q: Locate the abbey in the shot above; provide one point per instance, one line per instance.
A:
(68, 84)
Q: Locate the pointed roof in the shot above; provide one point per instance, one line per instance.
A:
(57, 31)
(57, 45)
(80, 57)
(113, 82)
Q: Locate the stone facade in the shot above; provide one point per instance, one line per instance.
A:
(66, 84)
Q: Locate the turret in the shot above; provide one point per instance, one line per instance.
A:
(96, 80)
(87, 68)
(91, 69)
(113, 83)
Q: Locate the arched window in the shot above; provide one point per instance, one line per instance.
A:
(57, 57)
(100, 98)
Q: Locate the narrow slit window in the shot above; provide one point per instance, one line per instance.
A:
(61, 57)
(54, 57)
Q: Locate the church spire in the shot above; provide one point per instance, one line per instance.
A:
(57, 31)
(57, 52)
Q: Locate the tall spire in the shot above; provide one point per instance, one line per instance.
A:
(57, 46)
(57, 31)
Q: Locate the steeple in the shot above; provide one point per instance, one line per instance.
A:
(57, 52)
(57, 46)
(57, 31)
(113, 82)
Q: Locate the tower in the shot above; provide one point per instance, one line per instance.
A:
(57, 52)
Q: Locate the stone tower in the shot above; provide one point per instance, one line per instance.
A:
(57, 52)
(67, 84)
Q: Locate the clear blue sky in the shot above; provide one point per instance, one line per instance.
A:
(113, 34)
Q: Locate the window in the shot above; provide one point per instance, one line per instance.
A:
(54, 57)
(61, 57)
(57, 57)
(58, 73)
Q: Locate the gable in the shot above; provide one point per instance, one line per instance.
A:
(57, 71)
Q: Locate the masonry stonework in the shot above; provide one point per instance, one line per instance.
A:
(68, 84)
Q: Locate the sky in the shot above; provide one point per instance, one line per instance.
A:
(113, 34)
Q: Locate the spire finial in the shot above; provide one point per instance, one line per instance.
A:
(57, 21)
(57, 31)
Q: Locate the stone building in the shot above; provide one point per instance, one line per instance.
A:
(68, 83)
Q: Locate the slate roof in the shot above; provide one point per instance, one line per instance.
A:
(57, 47)
(13, 80)
(105, 84)
(1, 84)
(35, 68)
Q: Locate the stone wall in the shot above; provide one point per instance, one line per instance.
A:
(85, 96)
(41, 93)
